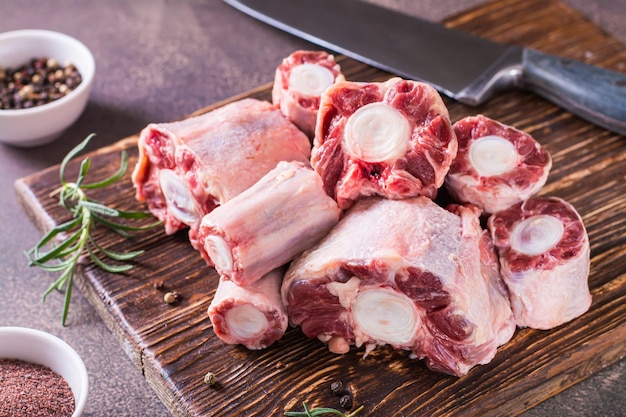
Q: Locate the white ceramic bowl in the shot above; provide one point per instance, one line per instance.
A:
(42, 124)
(42, 348)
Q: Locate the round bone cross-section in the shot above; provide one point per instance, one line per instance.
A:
(299, 81)
(392, 139)
(496, 165)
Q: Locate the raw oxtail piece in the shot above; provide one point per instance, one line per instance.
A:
(544, 256)
(497, 165)
(253, 316)
(272, 222)
(299, 81)
(392, 139)
(405, 273)
(187, 168)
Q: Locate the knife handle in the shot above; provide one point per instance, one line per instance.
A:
(592, 93)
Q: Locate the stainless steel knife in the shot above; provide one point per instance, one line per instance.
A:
(462, 66)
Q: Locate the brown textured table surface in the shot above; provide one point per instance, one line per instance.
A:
(159, 61)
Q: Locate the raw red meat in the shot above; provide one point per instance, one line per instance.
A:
(497, 165)
(264, 227)
(393, 139)
(253, 316)
(187, 168)
(406, 273)
(544, 257)
(298, 83)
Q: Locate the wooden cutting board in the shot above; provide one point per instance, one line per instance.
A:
(175, 346)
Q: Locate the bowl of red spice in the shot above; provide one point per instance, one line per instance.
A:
(45, 81)
(40, 375)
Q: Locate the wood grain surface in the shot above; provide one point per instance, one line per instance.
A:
(174, 345)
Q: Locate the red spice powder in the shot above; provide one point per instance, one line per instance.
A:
(31, 390)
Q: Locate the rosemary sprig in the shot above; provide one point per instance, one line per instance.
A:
(318, 412)
(63, 257)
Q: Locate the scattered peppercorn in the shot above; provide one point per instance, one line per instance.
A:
(346, 402)
(210, 379)
(158, 285)
(36, 83)
(171, 297)
(337, 388)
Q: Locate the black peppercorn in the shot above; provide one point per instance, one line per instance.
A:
(346, 401)
(336, 388)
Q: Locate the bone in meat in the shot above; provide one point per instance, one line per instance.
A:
(299, 81)
(406, 273)
(264, 227)
(544, 257)
(253, 316)
(393, 139)
(497, 165)
(187, 168)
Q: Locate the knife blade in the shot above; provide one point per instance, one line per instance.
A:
(464, 67)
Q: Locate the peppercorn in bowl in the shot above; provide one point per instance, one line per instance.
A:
(45, 81)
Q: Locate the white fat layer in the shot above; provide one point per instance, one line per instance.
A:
(180, 202)
(310, 79)
(536, 234)
(492, 155)
(219, 252)
(377, 132)
(245, 321)
(385, 316)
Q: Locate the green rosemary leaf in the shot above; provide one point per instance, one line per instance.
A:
(77, 149)
(98, 208)
(77, 247)
(117, 256)
(146, 227)
(64, 227)
(115, 269)
(322, 411)
(318, 412)
(51, 288)
(52, 268)
(122, 233)
(123, 256)
(57, 250)
(113, 178)
(123, 228)
(109, 223)
(68, 297)
(58, 284)
(82, 172)
(137, 215)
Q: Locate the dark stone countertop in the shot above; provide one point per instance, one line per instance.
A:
(160, 61)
